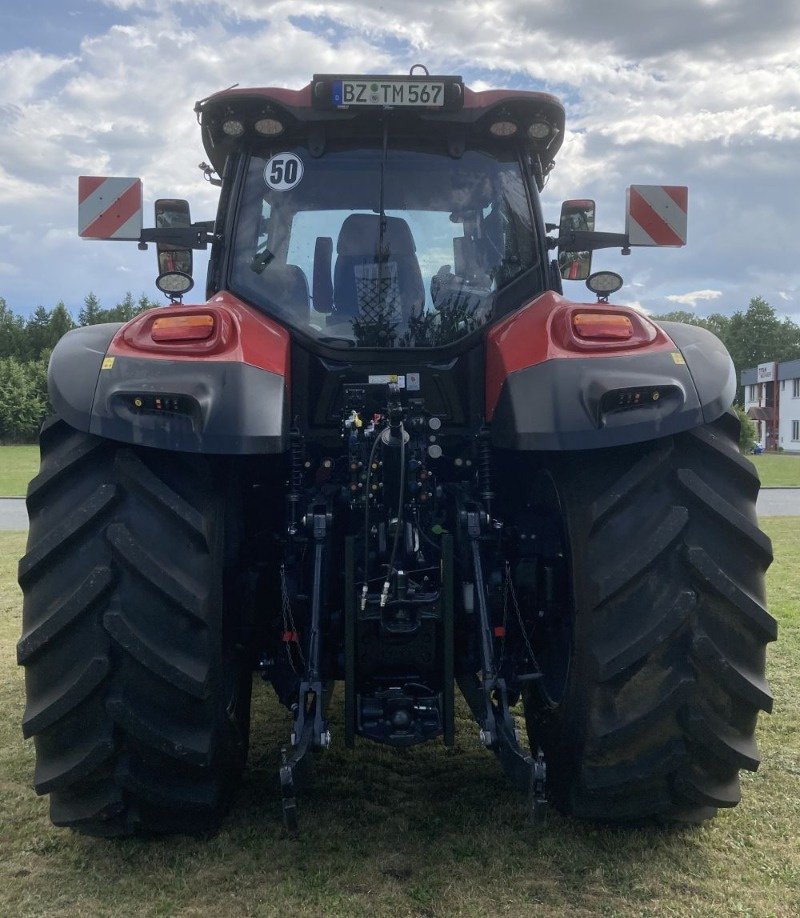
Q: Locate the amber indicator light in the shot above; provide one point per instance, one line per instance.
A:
(183, 328)
(602, 325)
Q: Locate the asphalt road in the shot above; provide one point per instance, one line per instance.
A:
(771, 502)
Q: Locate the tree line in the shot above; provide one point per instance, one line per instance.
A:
(25, 347)
(752, 336)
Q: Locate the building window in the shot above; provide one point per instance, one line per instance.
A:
(796, 430)
(796, 388)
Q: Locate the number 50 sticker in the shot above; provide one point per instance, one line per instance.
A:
(283, 171)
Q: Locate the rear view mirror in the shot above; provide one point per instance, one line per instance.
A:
(576, 216)
(173, 213)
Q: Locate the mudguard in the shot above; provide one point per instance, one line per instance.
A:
(232, 400)
(542, 394)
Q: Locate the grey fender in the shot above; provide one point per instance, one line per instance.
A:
(598, 402)
(198, 406)
(74, 370)
(709, 363)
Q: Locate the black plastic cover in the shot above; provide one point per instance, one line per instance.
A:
(596, 402)
(205, 406)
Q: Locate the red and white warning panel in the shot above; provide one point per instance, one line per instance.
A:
(656, 214)
(109, 207)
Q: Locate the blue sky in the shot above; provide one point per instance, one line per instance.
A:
(698, 92)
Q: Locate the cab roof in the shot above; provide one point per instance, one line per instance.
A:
(237, 117)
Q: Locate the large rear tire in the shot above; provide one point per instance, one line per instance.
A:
(666, 672)
(137, 694)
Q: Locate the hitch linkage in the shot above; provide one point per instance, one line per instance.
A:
(487, 697)
(310, 726)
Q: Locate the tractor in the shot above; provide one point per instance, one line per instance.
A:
(386, 450)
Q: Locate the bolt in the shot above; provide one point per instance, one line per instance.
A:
(485, 737)
(293, 739)
(325, 739)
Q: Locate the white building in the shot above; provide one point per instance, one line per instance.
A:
(772, 400)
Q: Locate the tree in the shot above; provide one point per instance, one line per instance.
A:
(90, 311)
(44, 329)
(747, 432)
(759, 336)
(23, 398)
(12, 332)
(754, 336)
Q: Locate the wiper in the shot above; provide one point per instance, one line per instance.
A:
(336, 342)
(261, 260)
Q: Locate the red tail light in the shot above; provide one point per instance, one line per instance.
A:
(196, 327)
(602, 326)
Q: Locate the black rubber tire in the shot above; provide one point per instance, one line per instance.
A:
(137, 696)
(666, 673)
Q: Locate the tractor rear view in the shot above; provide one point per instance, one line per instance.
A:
(386, 450)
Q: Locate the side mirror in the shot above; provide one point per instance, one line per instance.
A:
(576, 215)
(173, 213)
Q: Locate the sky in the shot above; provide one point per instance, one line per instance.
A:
(703, 93)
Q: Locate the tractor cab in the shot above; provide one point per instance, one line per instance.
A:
(383, 212)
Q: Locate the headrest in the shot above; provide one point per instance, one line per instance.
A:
(359, 236)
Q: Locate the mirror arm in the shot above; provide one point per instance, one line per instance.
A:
(586, 241)
(196, 236)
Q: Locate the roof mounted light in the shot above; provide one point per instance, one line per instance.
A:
(604, 283)
(268, 127)
(503, 128)
(233, 127)
(540, 130)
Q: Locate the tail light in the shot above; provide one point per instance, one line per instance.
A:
(173, 330)
(194, 327)
(602, 326)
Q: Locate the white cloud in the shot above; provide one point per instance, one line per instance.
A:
(672, 91)
(692, 299)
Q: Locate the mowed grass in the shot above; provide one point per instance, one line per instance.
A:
(426, 832)
(18, 464)
(778, 470)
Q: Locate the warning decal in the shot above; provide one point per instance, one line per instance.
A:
(656, 214)
(109, 207)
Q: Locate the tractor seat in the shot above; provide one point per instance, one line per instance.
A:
(362, 287)
(287, 287)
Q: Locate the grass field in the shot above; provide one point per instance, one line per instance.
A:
(778, 470)
(426, 832)
(18, 464)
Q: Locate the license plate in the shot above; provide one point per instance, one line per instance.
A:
(413, 93)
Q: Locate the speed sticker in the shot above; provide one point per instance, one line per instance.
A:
(283, 171)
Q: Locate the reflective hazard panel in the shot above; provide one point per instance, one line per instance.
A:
(656, 214)
(109, 207)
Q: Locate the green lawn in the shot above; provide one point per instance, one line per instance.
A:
(778, 470)
(426, 832)
(18, 464)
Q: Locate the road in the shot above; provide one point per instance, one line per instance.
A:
(771, 502)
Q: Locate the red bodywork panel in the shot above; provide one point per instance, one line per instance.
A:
(241, 334)
(301, 98)
(542, 330)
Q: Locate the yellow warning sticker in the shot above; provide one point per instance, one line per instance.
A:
(108, 362)
(678, 358)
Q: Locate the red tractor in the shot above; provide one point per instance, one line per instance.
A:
(385, 450)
